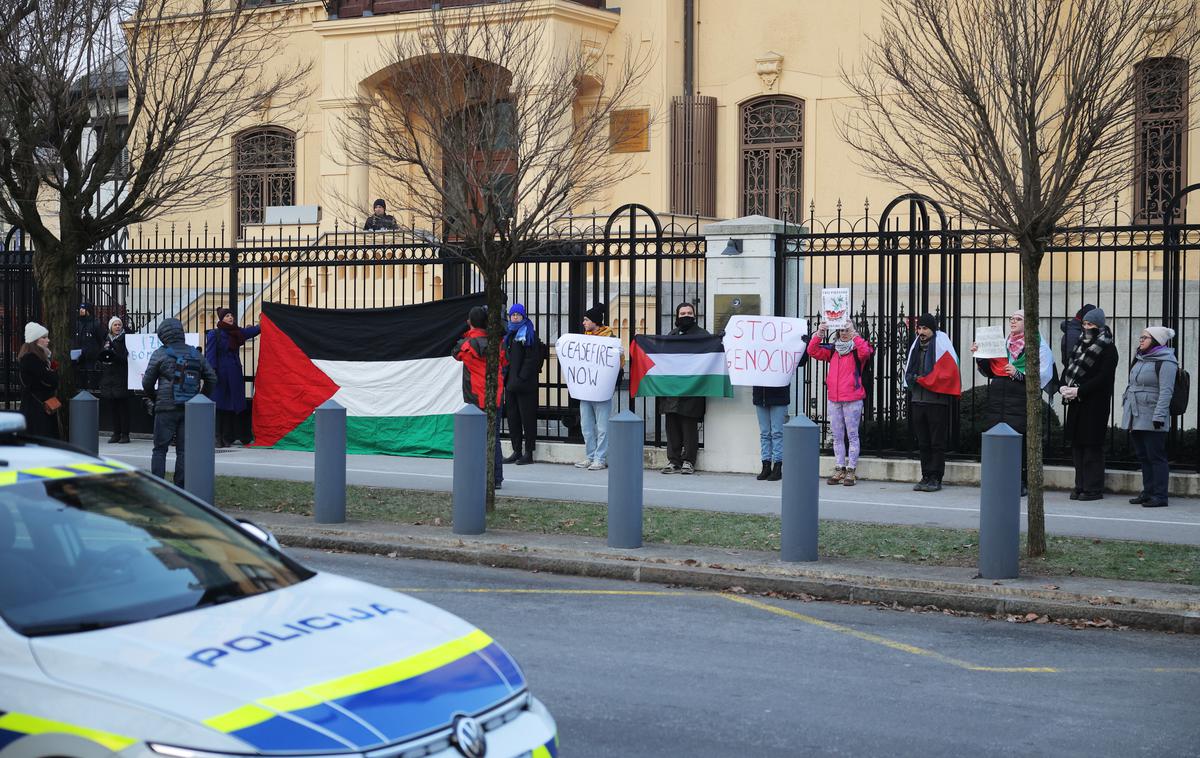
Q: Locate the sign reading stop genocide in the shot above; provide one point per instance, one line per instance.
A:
(764, 350)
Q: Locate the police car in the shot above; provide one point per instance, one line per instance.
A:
(136, 620)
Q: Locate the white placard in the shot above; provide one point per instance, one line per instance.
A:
(590, 365)
(835, 307)
(763, 350)
(140, 347)
(991, 342)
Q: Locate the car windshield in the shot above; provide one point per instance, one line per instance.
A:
(93, 552)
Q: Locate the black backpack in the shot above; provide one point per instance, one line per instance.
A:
(188, 375)
(1182, 392)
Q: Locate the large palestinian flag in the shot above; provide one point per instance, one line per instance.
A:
(390, 368)
(678, 366)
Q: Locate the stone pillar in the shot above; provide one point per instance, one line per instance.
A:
(344, 179)
(741, 283)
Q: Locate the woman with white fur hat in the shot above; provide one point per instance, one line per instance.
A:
(1145, 411)
(39, 382)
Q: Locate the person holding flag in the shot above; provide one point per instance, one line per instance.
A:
(932, 380)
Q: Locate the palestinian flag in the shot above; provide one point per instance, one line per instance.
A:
(943, 377)
(390, 368)
(678, 366)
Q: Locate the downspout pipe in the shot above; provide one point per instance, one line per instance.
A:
(689, 45)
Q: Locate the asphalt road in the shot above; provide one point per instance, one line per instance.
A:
(645, 670)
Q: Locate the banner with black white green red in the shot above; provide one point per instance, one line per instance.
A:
(390, 368)
(678, 366)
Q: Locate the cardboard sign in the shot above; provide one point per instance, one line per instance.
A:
(991, 341)
(590, 365)
(835, 307)
(763, 350)
(140, 347)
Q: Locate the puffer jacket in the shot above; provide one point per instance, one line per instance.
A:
(844, 381)
(160, 368)
(1148, 394)
(471, 350)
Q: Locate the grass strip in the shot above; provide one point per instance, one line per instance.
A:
(1067, 556)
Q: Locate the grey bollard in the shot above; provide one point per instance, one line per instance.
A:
(199, 450)
(626, 439)
(85, 422)
(798, 523)
(1000, 504)
(329, 468)
(469, 498)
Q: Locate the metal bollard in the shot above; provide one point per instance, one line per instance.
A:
(1000, 504)
(798, 522)
(470, 471)
(329, 468)
(199, 449)
(626, 439)
(85, 422)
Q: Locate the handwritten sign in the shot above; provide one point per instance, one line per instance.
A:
(835, 307)
(991, 341)
(763, 350)
(140, 347)
(590, 364)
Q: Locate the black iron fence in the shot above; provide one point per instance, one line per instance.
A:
(913, 259)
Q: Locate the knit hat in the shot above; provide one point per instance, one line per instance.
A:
(115, 320)
(222, 313)
(1095, 316)
(1161, 334)
(1082, 313)
(928, 321)
(35, 331)
(477, 317)
(597, 314)
(379, 204)
(517, 308)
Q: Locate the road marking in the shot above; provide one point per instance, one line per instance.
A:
(514, 591)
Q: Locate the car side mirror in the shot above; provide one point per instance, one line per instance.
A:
(258, 533)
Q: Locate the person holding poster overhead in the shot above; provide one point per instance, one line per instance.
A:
(932, 380)
(847, 353)
(593, 414)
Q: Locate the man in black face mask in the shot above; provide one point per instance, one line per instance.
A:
(683, 414)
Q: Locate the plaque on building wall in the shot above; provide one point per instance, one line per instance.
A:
(629, 130)
(728, 306)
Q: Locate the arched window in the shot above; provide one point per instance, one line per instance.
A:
(1161, 136)
(772, 165)
(264, 168)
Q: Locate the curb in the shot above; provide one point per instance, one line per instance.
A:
(950, 596)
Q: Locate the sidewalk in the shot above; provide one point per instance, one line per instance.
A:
(869, 501)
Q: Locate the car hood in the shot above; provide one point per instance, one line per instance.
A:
(330, 664)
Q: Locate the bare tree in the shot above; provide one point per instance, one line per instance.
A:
(114, 110)
(1016, 112)
(482, 122)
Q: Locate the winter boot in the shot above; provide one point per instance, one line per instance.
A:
(848, 478)
(766, 471)
(776, 472)
(839, 474)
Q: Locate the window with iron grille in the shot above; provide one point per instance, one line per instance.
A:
(772, 162)
(1161, 136)
(264, 169)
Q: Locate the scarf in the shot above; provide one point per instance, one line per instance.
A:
(522, 332)
(923, 354)
(1085, 354)
(1016, 346)
(233, 333)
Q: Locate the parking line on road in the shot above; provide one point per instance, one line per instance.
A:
(523, 591)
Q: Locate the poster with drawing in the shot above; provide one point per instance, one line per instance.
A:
(835, 307)
(991, 342)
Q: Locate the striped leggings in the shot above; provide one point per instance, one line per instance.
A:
(844, 420)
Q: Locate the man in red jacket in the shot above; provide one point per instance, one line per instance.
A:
(472, 351)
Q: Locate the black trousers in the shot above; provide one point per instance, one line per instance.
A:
(1151, 449)
(931, 424)
(118, 412)
(1089, 468)
(683, 438)
(521, 409)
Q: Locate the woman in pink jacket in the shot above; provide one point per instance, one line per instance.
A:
(847, 353)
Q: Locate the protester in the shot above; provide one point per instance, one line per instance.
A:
(175, 373)
(1072, 329)
(39, 381)
(771, 406)
(114, 380)
(379, 220)
(683, 414)
(932, 379)
(594, 414)
(1006, 381)
(1087, 390)
(846, 354)
(521, 384)
(88, 339)
(471, 350)
(1146, 414)
(223, 349)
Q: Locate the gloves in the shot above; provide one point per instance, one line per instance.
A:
(148, 404)
(1159, 425)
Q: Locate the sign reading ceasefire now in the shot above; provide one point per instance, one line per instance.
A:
(764, 350)
(590, 365)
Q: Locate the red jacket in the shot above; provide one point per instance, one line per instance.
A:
(472, 351)
(844, 381)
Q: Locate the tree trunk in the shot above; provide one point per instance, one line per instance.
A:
(1032, 252)
(54, 271)
(494, 295)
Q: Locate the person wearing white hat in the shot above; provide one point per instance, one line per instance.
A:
(39, 382)
(1146, 411)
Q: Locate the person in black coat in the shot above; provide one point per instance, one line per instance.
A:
(88, 339)
(1087, 390)
(683, 414)
(771, 404)
(114, 378)
(39, 381)
(521, 384)
(380, 220)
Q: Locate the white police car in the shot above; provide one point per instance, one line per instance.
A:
(138, 621)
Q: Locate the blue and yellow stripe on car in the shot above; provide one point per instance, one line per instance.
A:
(382, 704)
(549, 750)
(13, 726)
(43, 473)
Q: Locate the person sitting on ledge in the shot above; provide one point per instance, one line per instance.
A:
(379, 220)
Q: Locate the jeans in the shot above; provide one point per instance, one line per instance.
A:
(167, 424)
(1151, 449)
(683, 438)
(593, 418)
(771, 419)
(844, 420)
(931, 424)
